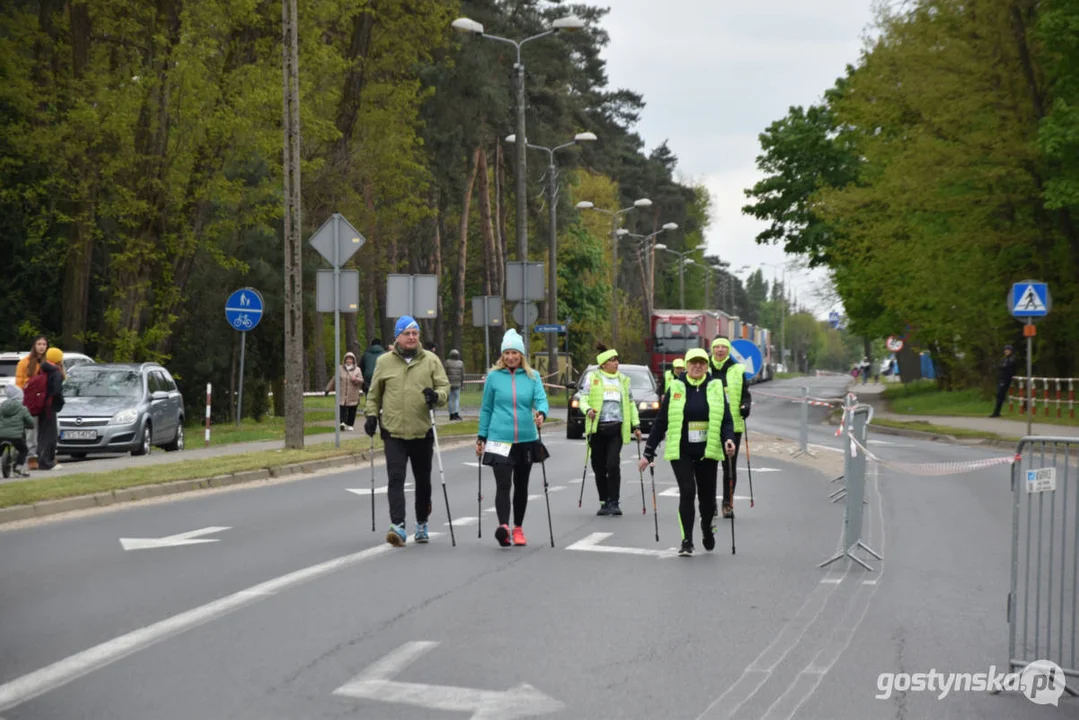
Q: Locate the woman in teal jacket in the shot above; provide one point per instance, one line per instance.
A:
(514, 407)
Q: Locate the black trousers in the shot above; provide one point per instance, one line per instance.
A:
(398, 454)
(606, 459)
(20, 449)
(695, 477)
(347, 414)
(515, 476)
(730, 469)
(1002, 395)
(47, 435)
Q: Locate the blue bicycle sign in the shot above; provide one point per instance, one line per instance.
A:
(243, 309)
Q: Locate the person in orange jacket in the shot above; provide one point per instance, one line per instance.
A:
(27, 368)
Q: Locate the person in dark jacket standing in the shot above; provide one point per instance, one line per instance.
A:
(696, 414)
(1004, 378)
(455, 373)
(733, 377)
(367, 362)
(47, 430)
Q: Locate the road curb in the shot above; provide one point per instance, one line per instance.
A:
(110, 498)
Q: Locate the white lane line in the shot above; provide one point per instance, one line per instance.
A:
(50, 677)
(462, 522)
(809, 679)
(381, 490)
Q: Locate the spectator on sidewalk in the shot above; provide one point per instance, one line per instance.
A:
(15, 420)
(455, 372)
(348, 374)
(1005, 373)
(27, 368)
(367, 362)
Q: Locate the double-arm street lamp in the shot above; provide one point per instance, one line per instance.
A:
(646, 248)
(552, 248)
(564, 24)
(616, 217)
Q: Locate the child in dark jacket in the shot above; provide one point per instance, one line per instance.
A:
(15, 420)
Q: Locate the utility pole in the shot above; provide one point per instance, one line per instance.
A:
(522, 190)
(552, 266)
(292, 244)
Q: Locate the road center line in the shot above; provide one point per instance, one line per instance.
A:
(75, 666)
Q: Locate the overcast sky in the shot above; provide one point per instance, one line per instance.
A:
(714, 74)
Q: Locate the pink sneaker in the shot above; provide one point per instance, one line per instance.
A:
(519, 536)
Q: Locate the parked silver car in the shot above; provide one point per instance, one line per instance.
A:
(9, 361)
(120, 407)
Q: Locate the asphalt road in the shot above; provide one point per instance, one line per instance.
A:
(298, 610)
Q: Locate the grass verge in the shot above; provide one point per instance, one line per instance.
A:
(922, 426)
(24, 492)
(923, 398)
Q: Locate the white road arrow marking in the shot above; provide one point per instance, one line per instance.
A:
(188, 538)
(376, 683)
(592, 544)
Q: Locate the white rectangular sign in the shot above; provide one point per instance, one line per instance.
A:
(1041, 480)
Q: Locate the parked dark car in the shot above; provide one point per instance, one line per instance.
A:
(642, 388)
(120, 407)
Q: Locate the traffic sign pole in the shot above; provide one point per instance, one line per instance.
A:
(486, 336)
(336, 332)
(1030, 379)
(240, 396)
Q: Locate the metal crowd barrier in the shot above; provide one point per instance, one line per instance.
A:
(1045, 554)
(855, 463)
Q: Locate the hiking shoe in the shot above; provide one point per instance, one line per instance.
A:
(604, 509)
(421, 533)
(728, 511)
(502, 535)
(518, 535)
(20, 472)
(397, 535)
(708, 536)
(687, 549)
(614, 508)
(31, 462)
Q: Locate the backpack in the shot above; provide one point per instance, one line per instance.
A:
(35, 394)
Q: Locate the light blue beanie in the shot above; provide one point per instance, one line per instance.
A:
(512, 340)
(405, 322)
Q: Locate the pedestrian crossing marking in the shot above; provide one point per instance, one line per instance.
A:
(1029, 301)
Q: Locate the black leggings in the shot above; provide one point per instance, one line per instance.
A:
(730, 477)
(695, 477)
(606, 456)
(517, 476)
(399, 453)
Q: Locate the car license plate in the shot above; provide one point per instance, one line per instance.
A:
(78, 435)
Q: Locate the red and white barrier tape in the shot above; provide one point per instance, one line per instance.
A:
(938, 469)
(812, 401)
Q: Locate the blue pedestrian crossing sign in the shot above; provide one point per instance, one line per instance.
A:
(833, 319)
(243, 309)
(1030, 299)
(749, 355)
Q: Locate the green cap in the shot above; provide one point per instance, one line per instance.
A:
(678, 363)
(697, 354)
(721, 341)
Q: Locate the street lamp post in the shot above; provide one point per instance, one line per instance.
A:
(648, 247)
(552, 248)
(615, 217)
(568, 24)
(682, 262)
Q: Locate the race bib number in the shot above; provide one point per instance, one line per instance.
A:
(612, 395)
(698, 432)
(498, 448)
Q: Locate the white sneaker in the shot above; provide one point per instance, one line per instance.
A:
(349, 428)
(343, 426)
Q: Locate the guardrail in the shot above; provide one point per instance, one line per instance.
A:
(1049, 392)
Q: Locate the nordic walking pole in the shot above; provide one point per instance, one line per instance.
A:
(730, 492)
(584, 472)
(641, 473)
(372, 483)
(749, 466)
(543, 467)
(479, 498)
(442, 474)
(655, 512)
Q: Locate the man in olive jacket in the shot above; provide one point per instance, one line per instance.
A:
(408, 383)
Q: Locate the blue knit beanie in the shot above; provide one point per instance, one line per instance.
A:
(405, 322)
(512, 340)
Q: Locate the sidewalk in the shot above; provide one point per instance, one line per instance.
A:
(196, 451)
(871, 393)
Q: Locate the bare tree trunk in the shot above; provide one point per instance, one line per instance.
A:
(500, 221)
(436, 269)
(293, 246)
(490, 275)
(318, 345)
(462, 249)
